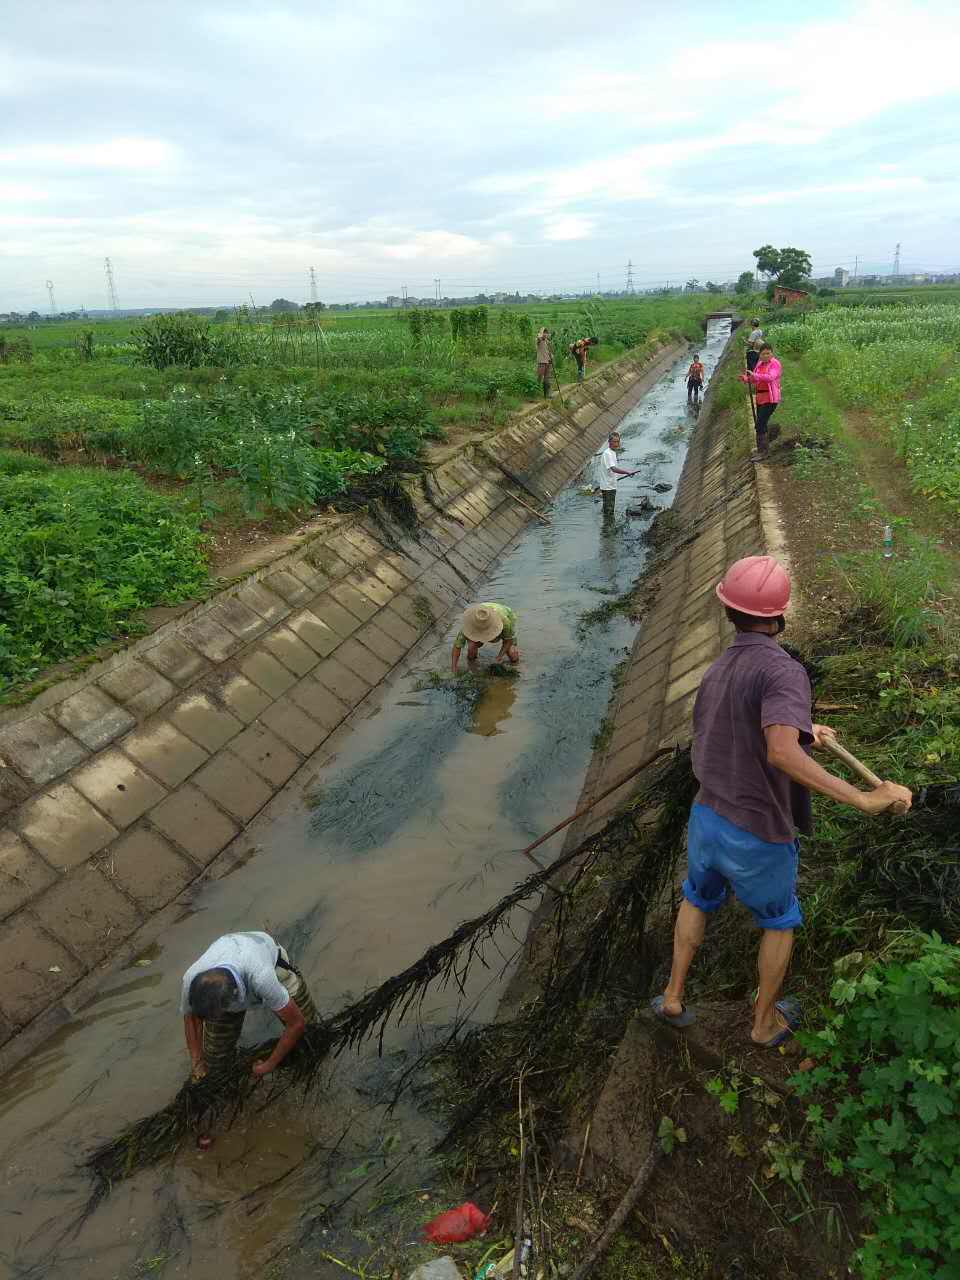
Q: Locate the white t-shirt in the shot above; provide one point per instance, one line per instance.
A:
(606, 461)
(756, 339)
(251, 958)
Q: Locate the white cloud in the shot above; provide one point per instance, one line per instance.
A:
(21, 192)
(118, 153)
(430, 245)
(619, 93)
(568, 227)
(867, 186)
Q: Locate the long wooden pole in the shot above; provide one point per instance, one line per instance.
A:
(624, 777)
(538, 514)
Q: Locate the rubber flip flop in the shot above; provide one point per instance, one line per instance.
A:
(682, 1019)
(789, 1010)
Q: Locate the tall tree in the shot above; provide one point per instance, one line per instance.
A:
(795, 267)
(745, 282)
(712, 287)
(768, 259)
(788, 266)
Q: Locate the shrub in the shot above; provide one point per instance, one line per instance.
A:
(187, 341)
(393, 426)
(18, 349)
(885, 1102)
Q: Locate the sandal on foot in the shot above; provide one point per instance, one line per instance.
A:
(681, 1019)
(789, 1011)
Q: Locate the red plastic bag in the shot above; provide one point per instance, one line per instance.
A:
(456, 1225)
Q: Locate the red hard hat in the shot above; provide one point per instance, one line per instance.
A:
(757, 585)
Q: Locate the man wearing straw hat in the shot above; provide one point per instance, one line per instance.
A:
(483, 623)
(241, 971)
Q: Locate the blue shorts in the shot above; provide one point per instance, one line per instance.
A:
(721, 856)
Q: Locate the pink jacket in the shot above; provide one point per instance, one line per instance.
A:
(767, 377)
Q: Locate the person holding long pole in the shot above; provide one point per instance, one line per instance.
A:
(764, 378)
(752, 735)
(608, 472)
(544, 361)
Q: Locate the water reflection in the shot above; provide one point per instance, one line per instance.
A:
(494, 707)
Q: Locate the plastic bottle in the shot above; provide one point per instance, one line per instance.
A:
(887, 541)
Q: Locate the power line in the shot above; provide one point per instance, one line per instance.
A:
(53, 301)
(111, 287)
(630, 288)
(896, 259)
(314, 297)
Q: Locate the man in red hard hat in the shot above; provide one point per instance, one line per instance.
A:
(752, 734)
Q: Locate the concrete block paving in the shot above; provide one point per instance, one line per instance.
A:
(23, 873)
(118, 788)
(64, 827)
(195, 824)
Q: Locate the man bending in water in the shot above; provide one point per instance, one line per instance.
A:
(240, 971)
(481, 624)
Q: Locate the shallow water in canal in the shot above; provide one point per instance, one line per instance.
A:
(405, 823)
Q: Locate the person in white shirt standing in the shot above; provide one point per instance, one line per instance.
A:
(607, 472)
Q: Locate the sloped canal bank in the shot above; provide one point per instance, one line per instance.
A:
(404, 824)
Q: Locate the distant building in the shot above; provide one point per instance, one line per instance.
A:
(841, 278)
(782, 295)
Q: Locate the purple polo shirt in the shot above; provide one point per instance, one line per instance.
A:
(751, 685)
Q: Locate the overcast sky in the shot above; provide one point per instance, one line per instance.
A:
(215, 150)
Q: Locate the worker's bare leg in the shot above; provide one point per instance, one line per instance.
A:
(776, 946)
(509, 651)
(687, 936)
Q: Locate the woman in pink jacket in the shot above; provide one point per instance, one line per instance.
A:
(765, 378)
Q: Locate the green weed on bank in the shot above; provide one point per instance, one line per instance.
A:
(899, 599)
(884, 1098)
(80, 552)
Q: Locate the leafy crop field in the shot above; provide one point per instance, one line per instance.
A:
(900, 361)
(128, 446)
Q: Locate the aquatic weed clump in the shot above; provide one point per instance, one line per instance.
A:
(466, 687)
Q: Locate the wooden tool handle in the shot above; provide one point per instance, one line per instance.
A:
(860, 769)
(851, 761)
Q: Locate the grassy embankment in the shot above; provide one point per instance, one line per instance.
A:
(870, 437)
(217, 430)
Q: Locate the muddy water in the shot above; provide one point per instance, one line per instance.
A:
(407, 822)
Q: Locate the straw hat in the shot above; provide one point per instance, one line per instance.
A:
(481, 623)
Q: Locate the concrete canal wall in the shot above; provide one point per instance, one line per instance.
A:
(120, 789)
(719, 514)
